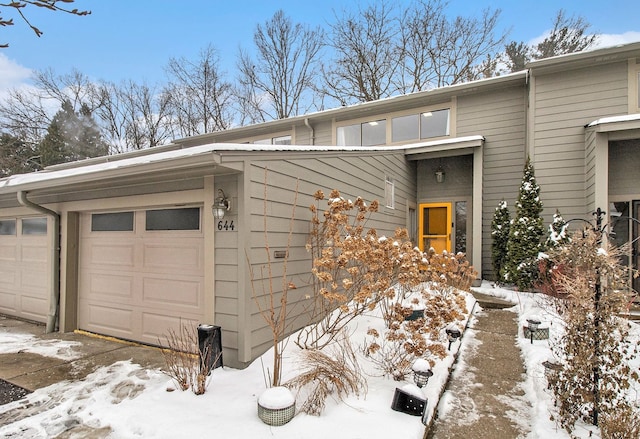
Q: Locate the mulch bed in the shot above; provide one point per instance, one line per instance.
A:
(10, 392)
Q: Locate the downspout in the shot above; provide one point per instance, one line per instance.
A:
(52, 316)
(313, 135)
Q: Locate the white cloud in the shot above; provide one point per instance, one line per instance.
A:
(603, 40)
(607, 40)
(12, 74)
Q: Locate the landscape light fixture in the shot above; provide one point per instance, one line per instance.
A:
(453, 334)
(221, 205)
(421, 372)
(533, 326)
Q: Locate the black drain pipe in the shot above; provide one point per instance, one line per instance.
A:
(52, 315)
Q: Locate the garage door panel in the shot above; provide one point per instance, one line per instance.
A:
(174, 256)
(158, 326)
(114, 255)
(170, 294)
(33, 306)
(8, 252)
(8, 277)
(8, 302)
(34, 279)
(111, 287)
(34, 253)
(107, 319)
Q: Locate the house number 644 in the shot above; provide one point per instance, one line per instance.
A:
(226, 225)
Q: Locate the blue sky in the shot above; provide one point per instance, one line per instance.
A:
(134, 39)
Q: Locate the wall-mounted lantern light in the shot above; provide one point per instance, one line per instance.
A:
(221, 205)
(439, 174)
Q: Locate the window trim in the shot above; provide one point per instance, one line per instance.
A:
(388, 117)
(389, 192)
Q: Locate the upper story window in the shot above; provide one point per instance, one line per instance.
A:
(401, 128)
(363, 134)
(420, 126)
(279, 140)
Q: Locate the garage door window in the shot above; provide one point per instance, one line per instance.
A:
(34, 226)
(112, 222)
(173, 219)
(8, 227)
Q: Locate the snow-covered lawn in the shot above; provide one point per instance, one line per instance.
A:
(136, 403)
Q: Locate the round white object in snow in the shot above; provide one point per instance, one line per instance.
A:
(276, 398)
(421, 365)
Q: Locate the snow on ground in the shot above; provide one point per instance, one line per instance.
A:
(127, 401)
(530, 305)
(15, 342)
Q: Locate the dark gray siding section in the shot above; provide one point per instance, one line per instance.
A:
(564, 103)
(500, 117)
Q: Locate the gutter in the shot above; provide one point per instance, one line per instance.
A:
(313, 135)
(52, 316)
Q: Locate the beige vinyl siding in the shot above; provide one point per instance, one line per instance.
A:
(324, 133)
(352, 174)
(500, 117)
(564, 103)
(227, 263)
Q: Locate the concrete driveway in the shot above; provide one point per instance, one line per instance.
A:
(86, 353)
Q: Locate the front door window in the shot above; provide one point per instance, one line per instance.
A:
(624, 228)
(435, 227)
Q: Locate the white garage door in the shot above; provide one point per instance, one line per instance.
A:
(141, 272)
(24, 268)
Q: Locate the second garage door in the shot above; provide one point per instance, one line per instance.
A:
(141, 272)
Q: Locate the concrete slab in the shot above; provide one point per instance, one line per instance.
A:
(33, 371)
(487, 396)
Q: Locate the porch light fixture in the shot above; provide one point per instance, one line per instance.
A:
(453, 334)
(221, 205)
(421, 372)
(439, 175)
(533, 322)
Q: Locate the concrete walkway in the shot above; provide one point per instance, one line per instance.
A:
(484, 397)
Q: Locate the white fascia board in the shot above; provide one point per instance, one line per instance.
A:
(169, 160)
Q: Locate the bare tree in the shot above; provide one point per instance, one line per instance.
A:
(27, 113)
(133, 116)
(439, 51)
(280, 80)
(199, 96)
(367, 55)
(19, 7)
(568, 35)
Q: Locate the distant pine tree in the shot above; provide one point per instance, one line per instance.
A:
(525, 233)
(500, 237)
(71, 137)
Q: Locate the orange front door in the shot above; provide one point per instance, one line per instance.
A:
(435, 227)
